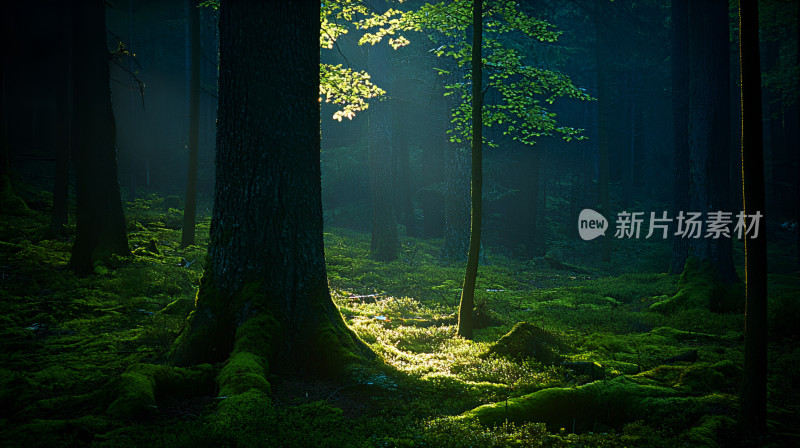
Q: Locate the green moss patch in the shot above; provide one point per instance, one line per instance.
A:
(526, 340)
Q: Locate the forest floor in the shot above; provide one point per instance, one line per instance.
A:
(591, 366)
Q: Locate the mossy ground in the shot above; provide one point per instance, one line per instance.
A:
(72, 347)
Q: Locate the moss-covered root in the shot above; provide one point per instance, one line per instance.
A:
(246, 368)
(699, 287)
(610, 403)
(135, 393)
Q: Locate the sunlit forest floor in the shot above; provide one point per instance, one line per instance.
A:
(592, 366)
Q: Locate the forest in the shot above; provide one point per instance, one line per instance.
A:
(388, 223)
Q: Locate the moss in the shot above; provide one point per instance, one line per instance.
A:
(339, 350)
(246, 369)
(701, 379)
(613, 402)
(695, 379)
(526, 340)
(681, 336)
(243, 372)
(705, 434)
(11, 204)
(699, 287)
(136, 391)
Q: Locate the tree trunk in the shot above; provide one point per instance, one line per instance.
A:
(709, 138)
(680, 126)
(753, 399)
(468, 292)
(797, 126)
(385, 241)
(264, 292)
(190, 208)
(603, 111)
(100, 221)
(63, 102)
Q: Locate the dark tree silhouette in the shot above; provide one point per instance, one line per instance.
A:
(100, 221)
(190, 209)
(709, 143)
(263, 301)
(680, 123)
(63, 102)
(753, 409)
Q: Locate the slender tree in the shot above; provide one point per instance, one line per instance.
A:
(468, 292)
(753, 399)
(99, 219)
(263, 301)
(190, 208)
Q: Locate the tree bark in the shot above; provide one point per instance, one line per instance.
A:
(263, 298)
(680, 124)
(753, 399)
(99, 219)
(709, 136)
(190, 208)
(468, 292)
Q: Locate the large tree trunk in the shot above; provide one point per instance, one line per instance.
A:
(709, 139)
(468, 292)
(680, 126)
(753, 409)
(264, 294)
(385, 241)
(190, 209)
(100, 221)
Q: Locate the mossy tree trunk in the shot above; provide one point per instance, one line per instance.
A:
(190, 209)
(263, 301)
(385, 243)
(468, 292)
(680, 126)
(753, 409)
(100, 220)
(709, 135)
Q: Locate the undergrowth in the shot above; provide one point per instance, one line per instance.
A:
(66, 339)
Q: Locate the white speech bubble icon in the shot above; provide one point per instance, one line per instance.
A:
(591, 224)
